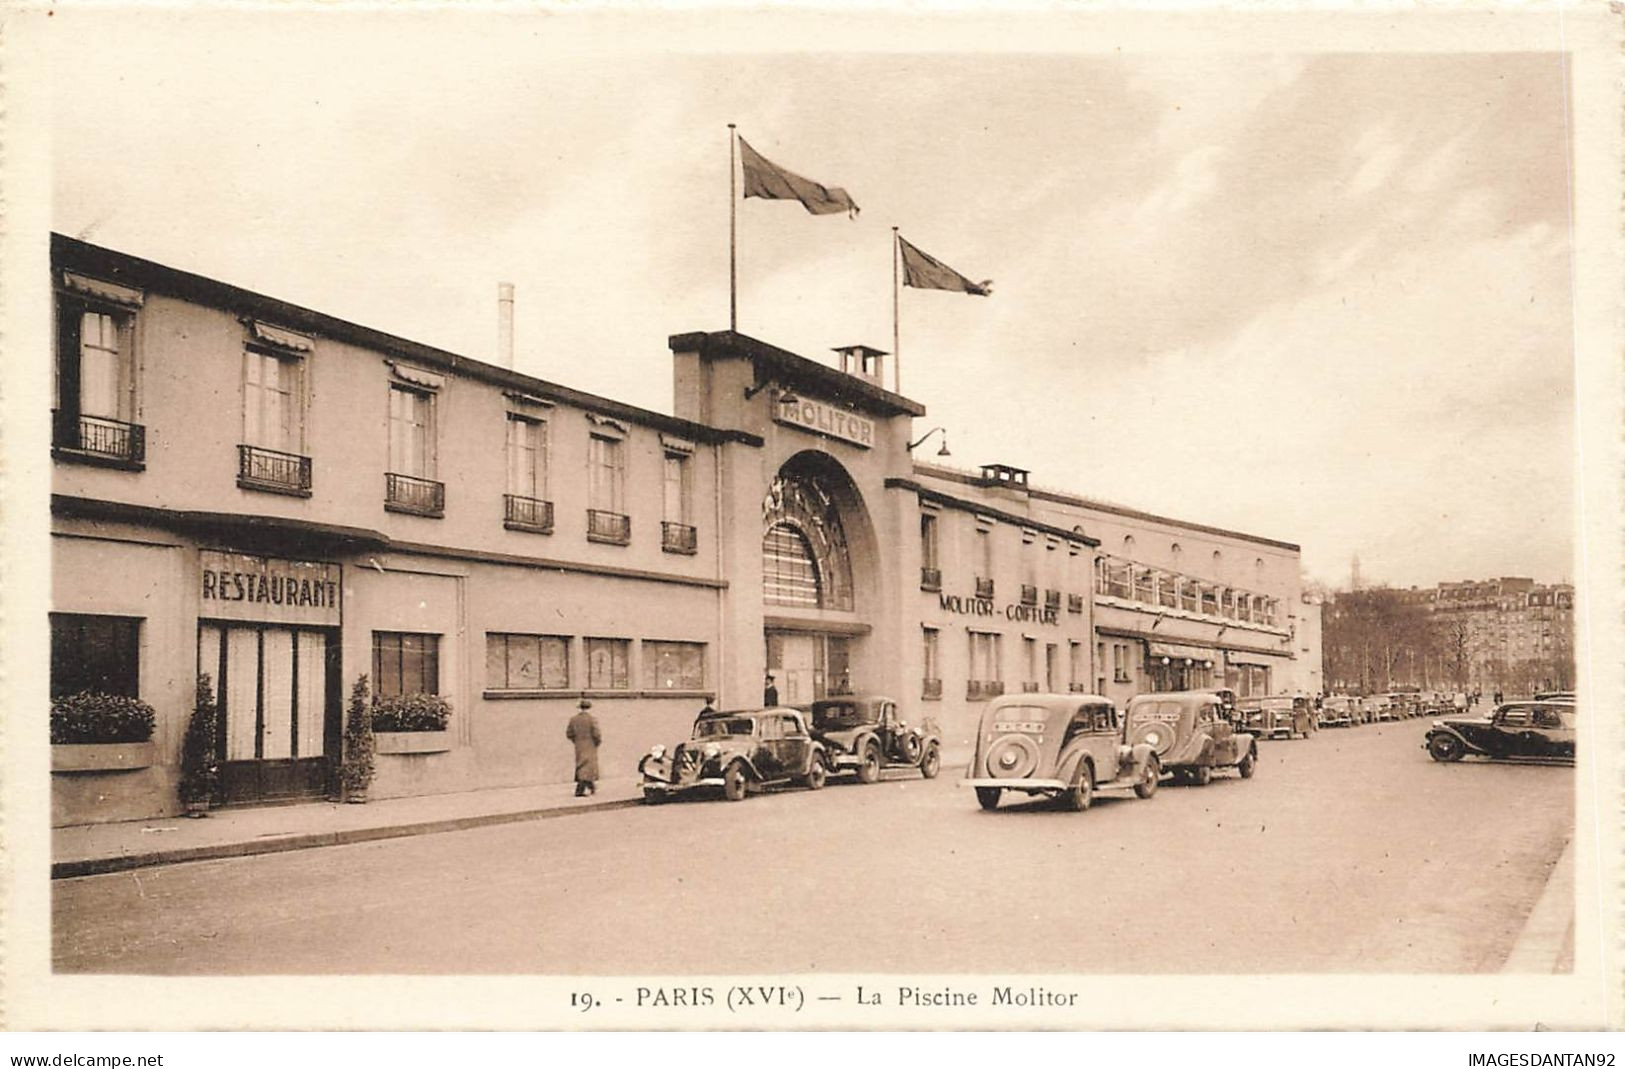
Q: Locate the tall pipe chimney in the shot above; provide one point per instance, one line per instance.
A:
(505, 324)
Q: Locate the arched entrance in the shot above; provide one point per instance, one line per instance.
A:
(818, 564)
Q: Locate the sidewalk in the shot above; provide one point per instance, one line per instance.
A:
(1546, 944)
(83, 850)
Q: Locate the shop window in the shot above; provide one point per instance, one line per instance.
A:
(101, 654)
(95, 378)
(526, 662)
(608, 664)
(405, 662)
(674, 665)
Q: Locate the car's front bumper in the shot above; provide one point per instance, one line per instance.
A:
(1030, 785)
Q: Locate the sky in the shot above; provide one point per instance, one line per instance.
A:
(1321, 297)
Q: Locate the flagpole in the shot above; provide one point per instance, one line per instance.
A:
(733, 237)
(896, 345)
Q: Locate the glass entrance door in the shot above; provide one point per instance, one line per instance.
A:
(279, 713)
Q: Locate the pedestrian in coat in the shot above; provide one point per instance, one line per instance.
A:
(770, 693)
(583, 731)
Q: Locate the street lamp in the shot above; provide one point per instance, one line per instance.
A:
(943, 452)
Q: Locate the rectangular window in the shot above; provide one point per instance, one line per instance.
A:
(931, 654)
(411, 432)
(674, 665)
(678, 493)
(527, 457)
(930, 565)
(606, 474)
(405, 662)
(95, 653)
(1029, 652)
(273, 401)
(984, 657)
(526, 662)
(95, 383)
(1080, 670)
(608, 662)
(1119, 663)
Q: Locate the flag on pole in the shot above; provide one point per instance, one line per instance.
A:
(926, 272)
(772, 182)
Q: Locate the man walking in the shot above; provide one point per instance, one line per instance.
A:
(583, 731)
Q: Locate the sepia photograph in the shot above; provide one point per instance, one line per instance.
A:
(799, 519)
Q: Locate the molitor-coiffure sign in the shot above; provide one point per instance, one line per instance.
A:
(826, 419)
(1027, 614)
(238, 586)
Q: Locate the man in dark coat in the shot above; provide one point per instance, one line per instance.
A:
(770, 693)
(583, 731)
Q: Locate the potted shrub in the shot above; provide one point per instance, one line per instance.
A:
(200, 765)
(411, 723)
(96, 732)
(355, 770)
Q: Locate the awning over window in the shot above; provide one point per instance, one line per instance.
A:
(1253, 657)
(417, 376)
(107, 291)
(282, 339)
(1175, 652)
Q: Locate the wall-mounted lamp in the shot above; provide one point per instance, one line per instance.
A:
(943, 452)
(786, 395)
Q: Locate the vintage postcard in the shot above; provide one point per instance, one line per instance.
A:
(935, 518)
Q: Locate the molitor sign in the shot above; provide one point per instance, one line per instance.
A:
(1026, 614)
(237, 586)
(826, 419)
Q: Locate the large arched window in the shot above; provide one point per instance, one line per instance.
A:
(789, 570)
(805, 561)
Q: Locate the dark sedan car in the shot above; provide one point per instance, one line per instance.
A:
(740, 751)
(1541, 731)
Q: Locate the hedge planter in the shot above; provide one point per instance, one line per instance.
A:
(103, 756)
(412, 742)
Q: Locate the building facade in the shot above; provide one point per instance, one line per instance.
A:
(283, 502)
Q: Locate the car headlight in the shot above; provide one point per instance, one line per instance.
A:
(657, 751)
(712, 751)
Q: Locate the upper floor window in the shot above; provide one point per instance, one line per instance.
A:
(678, 492)
(527, 457)
(411, 432)
(274, 392)
(930, 561)
(606, 474)
(96, 373)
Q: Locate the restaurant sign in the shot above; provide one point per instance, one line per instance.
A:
(827, 419)
(239, 586)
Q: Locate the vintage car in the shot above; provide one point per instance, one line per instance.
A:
(1389, 706)
(1275, 716)
(1189, 736)
(1338, 712)
(739, 751)
(1227, 701)
(1534, 730)
(1057, 745)
(865, 734)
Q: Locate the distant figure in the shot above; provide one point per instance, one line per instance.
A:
(770, 693)
(710, 706)
(583, 731)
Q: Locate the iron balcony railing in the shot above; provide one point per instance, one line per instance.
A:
(930, 578)
(527, 514)
(259, 468)
(678, 537)
(931, 689)
(408, 493)
(100, 437)
(611, 527)
(984, 588)
(1029, 594)
(977, 689)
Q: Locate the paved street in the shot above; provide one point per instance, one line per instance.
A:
(1349, 852)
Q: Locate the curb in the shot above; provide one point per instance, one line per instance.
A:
(1548, 935)
(95, 866)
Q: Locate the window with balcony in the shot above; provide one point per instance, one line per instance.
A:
(606, 491)
(94, 417)
(272, 454)
(525, 504)
(984, 562)
(930, 561)
(674, 665)
(931, 684)
(677, 533)
(985, 678)
(410, 485)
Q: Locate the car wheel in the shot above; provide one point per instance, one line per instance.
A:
(931, 761)
(734, 785)
(1248, 764)
(816, 773)
(988, 797)
(869, 770)
(1445, 747)
(1202, 775)
(652, 796)
(1149, 779)
(1081, 795)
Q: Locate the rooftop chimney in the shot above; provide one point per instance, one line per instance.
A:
(505, 324)
(863, 362)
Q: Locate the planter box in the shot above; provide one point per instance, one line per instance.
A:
(412, 741)
(103, 756)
